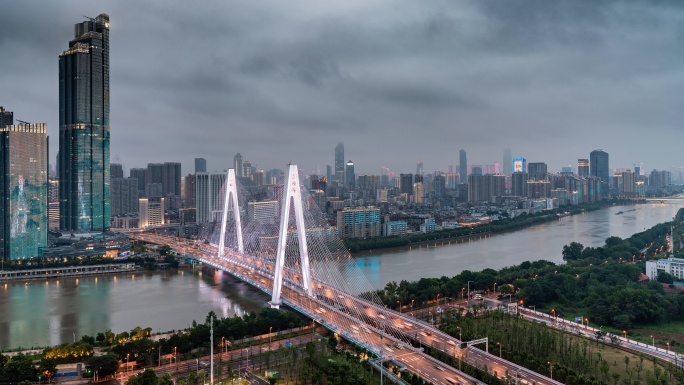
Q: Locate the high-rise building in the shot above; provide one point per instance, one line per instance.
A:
(23, 190)
(125, 196)
(440, 185)
(140, 174)
(599, 167)
(350, 176)
(84, 128)
(419, 169)
(362, 222)
(237, 165)
(339, 160)
(406, 183)
(6, 117)
(583, 167)
(200, 165)
(209, 201)
(190, 191)
(507, 162)
(537, 171)
(463, 165)
(328, 172)
(485, 188)
(171, 179)
(519, 184)
(116, 170)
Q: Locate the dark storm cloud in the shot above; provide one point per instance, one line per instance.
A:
(398, 82)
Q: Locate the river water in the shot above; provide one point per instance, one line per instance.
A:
(43, 313)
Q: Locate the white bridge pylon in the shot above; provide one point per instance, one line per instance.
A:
(292, 194)
(231, 191)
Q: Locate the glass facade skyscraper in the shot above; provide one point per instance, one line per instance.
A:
(599, 167)
(84, 173)
(23, 190)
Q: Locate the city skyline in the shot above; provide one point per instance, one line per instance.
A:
(286, 86)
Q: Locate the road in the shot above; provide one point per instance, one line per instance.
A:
(379, 329)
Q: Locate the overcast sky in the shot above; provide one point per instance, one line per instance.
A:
(397, 81)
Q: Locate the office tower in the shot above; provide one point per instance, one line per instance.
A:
(328, 172)
(339, 161)
(637, 170)
(628, 182)
(200, 165)
(258, 177)
(583, 167)
(247, 169)
(237, 165)
(419, 169)
(84, 128)
(463, 165)
(266, 212)
(659, 179)
(519, 165)
(599, 167)
(171, 179)
(538, 188)
(507, 162)
(190, 191)
(23, 190)
(350, 176)
(567, 170)
(537, 171)
(140, 174)
(151, 211)
(155, 173)
(208, 199)
(116, 170)
(406, 183)
(418, 190)
(477, 170)
(6, 118)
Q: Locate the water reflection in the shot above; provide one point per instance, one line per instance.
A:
(41, 313)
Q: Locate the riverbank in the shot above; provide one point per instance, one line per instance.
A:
(504, 225)
(62, 272)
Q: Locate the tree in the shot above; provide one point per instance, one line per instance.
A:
(47, 368)
(100, 338)
(573, 251)
(164, 250)
(19, 368)
(665, 277)
(104, 365)
(166, 379)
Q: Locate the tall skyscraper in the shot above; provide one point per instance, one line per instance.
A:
(350, 176)
(200, 165)
(171, 179)
(237, 165)
(599, 167)
(23, 190)
(140, 174)
(84, 128)
(339, 160)
(519, 165)
(463, 166)
(583, 167)
(507, 162)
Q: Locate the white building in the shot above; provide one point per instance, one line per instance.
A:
(395, 228)
(151, 212)
(674, 266)
(208, 197)
(265, 212)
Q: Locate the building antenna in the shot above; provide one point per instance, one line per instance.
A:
(89, 18)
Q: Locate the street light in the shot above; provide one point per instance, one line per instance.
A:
(399, 302)
(551, 368)
(499, 343)
(624, 332)
(586, 320)
(269, 338)
(127, 354)
(668, 347)
(459, 333)
(175, 359)
(554, 312)
(413, 300)
(494, 288)
(462, 290)
(653, 340)
(469, 289)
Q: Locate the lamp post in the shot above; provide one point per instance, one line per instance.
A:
(462, 290)
(495, 289)
(586, 320)
(459, 333)
(469, 289)
(175, 358)
(499, 343)
(412, 301)
(653, 341)
(550, 369)
(399, 302)
(269, 337)
(553, 311)
(668, 347)
(127, 355)
(624, 332)
(438, 294)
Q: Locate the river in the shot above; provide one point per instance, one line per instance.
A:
(43, 313)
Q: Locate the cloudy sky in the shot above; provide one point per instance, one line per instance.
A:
(397, 81)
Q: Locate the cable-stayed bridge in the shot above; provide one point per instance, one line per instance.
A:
(286, 248)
